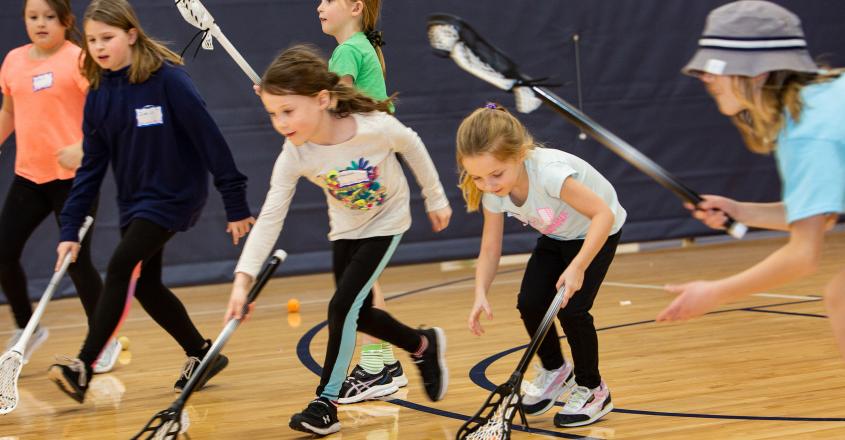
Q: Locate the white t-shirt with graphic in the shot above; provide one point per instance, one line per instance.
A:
(543, 209)
(365, 187)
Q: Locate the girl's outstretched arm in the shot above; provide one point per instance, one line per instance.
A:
(7, 119)
(797, 258)
(486, 267)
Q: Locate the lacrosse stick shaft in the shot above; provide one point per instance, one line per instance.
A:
(233, 52)
(224, 336)
(630, 154)
(48, 293)
(540, 334)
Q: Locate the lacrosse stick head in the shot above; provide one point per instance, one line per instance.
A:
(195, 13)
(493, 421)
(166, 425)
(10, 369)
(452, 37)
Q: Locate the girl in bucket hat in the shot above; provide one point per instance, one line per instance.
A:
(754, 61)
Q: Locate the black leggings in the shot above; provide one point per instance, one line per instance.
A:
(142, 241)
(549, 259)
(357, 264)
(27, 205)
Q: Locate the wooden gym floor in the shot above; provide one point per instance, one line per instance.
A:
(763, 368)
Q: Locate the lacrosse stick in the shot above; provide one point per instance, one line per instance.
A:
(12, 361)
(452, 37)
(195, 13)
(493, 421)
(169, 423)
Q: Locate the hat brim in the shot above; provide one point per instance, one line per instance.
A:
(748, 63)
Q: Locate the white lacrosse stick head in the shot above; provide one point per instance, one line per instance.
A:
(447, 38)
(195, 13)
(10, 369)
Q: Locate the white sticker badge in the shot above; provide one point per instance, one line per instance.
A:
(43, 81)
(715, 67)
(149, 115)
(352, 177)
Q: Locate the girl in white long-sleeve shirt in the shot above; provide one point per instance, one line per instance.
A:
(345, 143)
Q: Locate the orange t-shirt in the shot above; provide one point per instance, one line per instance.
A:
(48, 97)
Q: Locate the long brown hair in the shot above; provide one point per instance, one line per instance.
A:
(66, 18)
(369, 19)
(767, 107)
(489, 130)
(300, 70)
(147, 53)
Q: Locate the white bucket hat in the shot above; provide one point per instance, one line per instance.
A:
(750, 37)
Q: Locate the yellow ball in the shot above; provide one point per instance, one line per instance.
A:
(293, 305)
(124, 342)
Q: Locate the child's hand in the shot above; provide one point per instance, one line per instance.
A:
(480, 305)
(236, 302)
(239, 228)
(440, 218)
(572, 278)
(695, 299)
(70, 157)
(712, 210)
(66, 247)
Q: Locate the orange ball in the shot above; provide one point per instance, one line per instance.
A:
(293, 305)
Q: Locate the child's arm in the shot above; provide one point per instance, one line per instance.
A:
(190, 113)
(798, 258)
(7, 119)
(412, 149)
(70, 157)
(486, 267)
(86, 186)
(713, 210)
(588, 203)
(266, 232)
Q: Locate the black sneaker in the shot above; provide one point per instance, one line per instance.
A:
(319, 418)
(72, 377)
(192, 363)
(397, 373)
(361, 385)
(432, 363)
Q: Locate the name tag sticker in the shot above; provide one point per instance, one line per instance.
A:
(43, 81)
(149, 116)
(352, 177)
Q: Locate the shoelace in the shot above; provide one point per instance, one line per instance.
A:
(190, 364)
(580, 395)
(76, 366)
(541, 381)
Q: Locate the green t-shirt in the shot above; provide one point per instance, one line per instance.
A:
(357, 58)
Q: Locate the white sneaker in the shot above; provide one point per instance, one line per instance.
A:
(548, 385)
(41, 334)
(108, 357)
(585, 406)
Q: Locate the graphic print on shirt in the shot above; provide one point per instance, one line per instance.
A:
(356, 186)
(546, 222)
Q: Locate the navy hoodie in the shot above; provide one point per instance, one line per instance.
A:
(162, 143)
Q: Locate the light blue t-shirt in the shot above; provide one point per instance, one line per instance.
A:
(543, 209)
(811, 154)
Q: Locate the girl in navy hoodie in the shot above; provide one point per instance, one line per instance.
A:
(144, 116)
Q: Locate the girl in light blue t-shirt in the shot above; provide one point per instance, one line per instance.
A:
(782, 103)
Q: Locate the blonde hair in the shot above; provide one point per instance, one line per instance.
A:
(489, 130)
(766, 108)
(369, 19)
(147, 53)
(300, 70)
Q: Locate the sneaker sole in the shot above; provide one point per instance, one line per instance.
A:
(568, 385)
(441, 361)
(400, 381)
(373, 391)
(55, 374)
(589, 421)
(305, 427)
